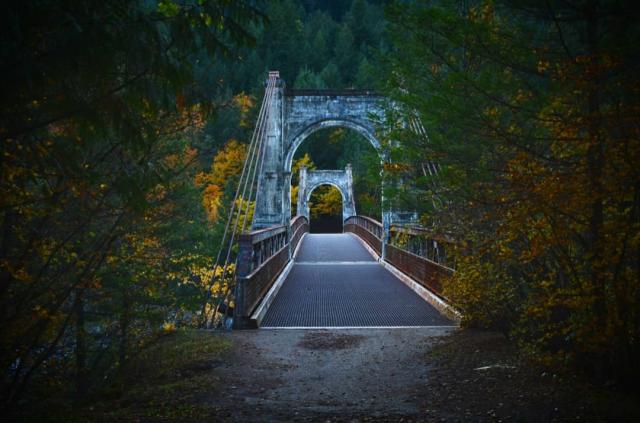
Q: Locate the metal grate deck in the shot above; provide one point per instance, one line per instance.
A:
(340, 285)
(332, 247)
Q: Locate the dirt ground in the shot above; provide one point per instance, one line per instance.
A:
(480, 376)
(302, 375)
(356, 375)
(403, 375)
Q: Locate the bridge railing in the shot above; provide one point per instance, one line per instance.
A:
(299, 225)
(411, 249)
(417, 253)
(262, 256)
(370, 230)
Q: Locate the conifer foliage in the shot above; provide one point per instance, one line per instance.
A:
(532, 110)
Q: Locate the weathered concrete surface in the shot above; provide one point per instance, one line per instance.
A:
(290, 120)
(305, 114)
(298, 375)
(309, 180)
(271, 178)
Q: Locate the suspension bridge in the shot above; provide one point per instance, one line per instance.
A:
(286, 277)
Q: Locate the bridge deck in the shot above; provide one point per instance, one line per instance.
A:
(335, 282)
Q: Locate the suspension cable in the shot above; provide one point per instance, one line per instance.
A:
(230, 216)
(261, 152)
(237, 220)
(255, 146)
(260, 149)
(259, 165)
(251, 162)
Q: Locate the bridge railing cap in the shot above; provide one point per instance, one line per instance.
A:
(296, 218)
(367, 218)
(261, 234)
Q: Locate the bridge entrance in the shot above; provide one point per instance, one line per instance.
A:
(288, 277)
(336, 282)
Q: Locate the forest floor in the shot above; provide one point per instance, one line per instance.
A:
(360, 375)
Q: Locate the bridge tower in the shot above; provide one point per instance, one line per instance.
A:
(309, 180)
(271, 178)
(293, 115)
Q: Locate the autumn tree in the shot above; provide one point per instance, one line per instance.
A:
(530, 110)
(96, 122)
(326, 200)
(223, 177)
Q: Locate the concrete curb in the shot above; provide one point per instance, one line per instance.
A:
(352, 328)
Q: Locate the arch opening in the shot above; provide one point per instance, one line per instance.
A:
(327, 124)
(338, 148)
(326, 211)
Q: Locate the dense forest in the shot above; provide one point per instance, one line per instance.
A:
(125, 125)
(532, 113)
(124, 128)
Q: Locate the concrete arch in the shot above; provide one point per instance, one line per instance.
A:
(296, 140)
(309, 180)
(291, 117)
(318, 185)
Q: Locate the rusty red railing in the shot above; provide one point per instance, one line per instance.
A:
(299, 225)
(414, 251)
(411, 249)
(370, 230)
(262, 256)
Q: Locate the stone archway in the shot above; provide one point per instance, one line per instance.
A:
(292, 117)
(297, 139)
(340, 179)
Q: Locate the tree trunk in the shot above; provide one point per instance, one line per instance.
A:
(124, 331)
(595, 163)
(81, 349)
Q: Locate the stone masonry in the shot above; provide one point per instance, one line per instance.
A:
(341, 179)
(293, 116)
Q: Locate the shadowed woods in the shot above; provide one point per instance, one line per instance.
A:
(493, 150)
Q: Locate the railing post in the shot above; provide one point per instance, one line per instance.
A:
(244, 268)
(245, 256)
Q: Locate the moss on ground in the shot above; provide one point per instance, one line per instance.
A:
(167, 381)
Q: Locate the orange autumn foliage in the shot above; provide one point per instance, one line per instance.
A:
(227, 164)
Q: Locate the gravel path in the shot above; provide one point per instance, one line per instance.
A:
(318, 375)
